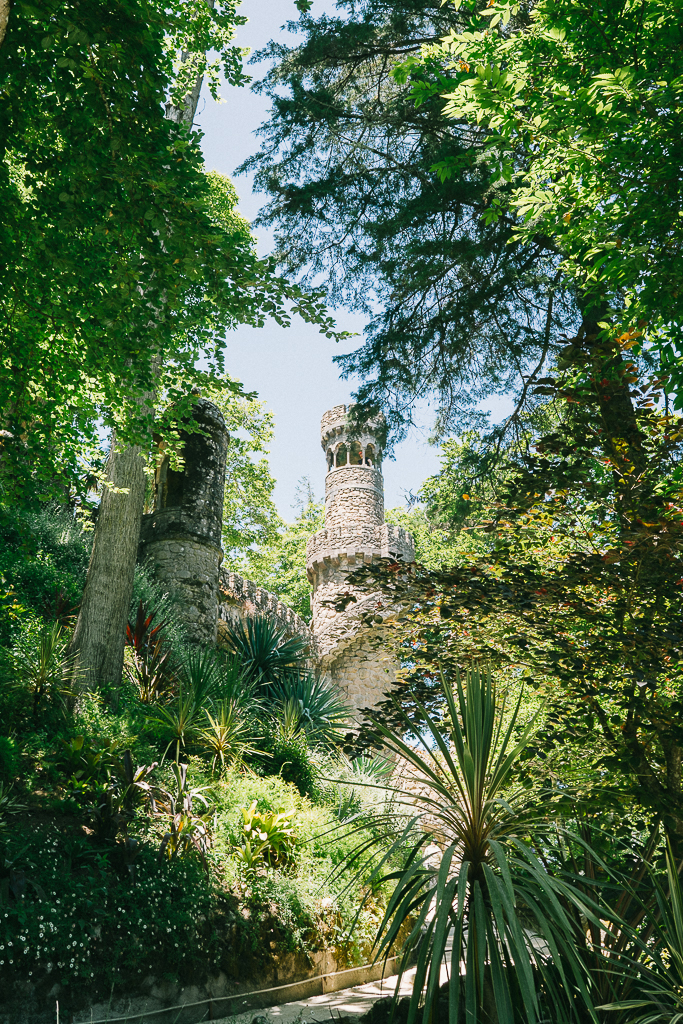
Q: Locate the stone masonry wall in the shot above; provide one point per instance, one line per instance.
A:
(189, 569)
(354, 498)
(364, 671)
(239, 598)
(181, 537)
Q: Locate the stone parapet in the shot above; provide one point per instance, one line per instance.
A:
(336, 544)
(335, 422)
(239, 598)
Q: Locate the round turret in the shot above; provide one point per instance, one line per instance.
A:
(354, 489)
(354, 533)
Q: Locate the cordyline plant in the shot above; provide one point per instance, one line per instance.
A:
(489, 909)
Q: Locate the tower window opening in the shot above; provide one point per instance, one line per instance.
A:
(330, 458)
(355, 454)
(341, 456)
(370, 455)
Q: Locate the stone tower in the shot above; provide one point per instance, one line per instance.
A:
(181, 537)
(350, 643)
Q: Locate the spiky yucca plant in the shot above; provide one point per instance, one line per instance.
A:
(486, 897)
(264, 650)
(310, 703)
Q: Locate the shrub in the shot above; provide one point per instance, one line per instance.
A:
(291, 759)
(268, 837)
(43, 558)
(9, 759)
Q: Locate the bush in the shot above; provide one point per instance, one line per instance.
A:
(291, 759)
(9, 759)
(43, 559)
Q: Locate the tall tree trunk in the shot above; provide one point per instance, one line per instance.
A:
(98, 639)
(4, 18)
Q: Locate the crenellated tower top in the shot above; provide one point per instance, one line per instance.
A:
(355, 531)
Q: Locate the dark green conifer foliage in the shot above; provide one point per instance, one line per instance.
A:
(347, 161)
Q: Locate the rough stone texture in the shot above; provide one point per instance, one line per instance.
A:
(352, 644)
(239, 598)
(354, 498)
(181, 538)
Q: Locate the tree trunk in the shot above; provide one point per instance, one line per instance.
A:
(4, 18)
(98, 639)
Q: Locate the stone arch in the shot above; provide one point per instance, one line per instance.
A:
(355, 454)
(370, 456)
(341, 455)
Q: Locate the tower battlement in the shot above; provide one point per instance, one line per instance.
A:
(354, 534)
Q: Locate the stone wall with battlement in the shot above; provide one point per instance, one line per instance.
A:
(239, 598)
(353, 646)
(357, 546)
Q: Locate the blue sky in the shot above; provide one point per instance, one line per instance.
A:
(291, 369)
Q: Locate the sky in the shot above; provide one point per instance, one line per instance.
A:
(291, 368)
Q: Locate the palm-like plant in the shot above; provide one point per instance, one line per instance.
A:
(656, 976)
(489, 898)
(179, 721)
(264, 650)
(42, 665)
(226, 735)
(310, 703)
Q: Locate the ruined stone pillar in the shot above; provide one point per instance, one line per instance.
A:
(352, 643)
(181, 538)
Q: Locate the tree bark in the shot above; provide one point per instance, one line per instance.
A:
(4, 18)
(98, 639)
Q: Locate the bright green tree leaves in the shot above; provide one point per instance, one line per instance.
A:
(580, 109)
(121, 263)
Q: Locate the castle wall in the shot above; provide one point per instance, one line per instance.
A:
(239, 598)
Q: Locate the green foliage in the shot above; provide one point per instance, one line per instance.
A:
(350, 166)
(40, 670)
(43, 559)
(268, 838)
(291, 759)
(90, 924)
(309, 703)
(9, 758)
(156, 233)
(280, 566)
(227, 736)
(188, 830)
(582, 111)
(264, 650)
(658, 971)
(250, 517)
(149, 667)
(474, 880)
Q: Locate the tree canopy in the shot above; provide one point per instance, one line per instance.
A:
(121, 260)
(456, 308)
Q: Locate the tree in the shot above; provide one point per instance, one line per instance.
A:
(148, 274)
(576, 583)
(580, 106)
(250, 518)
(280, 565)
(456, 307)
